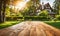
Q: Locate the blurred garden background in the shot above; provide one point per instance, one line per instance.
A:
(15, 11)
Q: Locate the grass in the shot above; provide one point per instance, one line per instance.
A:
(54, 24)
(8, 23)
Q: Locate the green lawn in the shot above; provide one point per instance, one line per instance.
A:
(55, 24)
(8, 23)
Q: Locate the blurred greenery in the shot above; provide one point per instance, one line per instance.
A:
(31, 11)
(55, 24)
(44, 13)
(8, 23)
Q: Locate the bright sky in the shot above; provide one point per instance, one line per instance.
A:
(20, 5)
(46, 1)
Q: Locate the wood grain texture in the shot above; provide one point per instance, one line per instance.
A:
(30, 28)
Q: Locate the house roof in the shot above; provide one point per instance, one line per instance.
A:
(45, 6)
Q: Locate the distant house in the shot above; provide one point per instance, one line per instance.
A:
(49, 9)
(46, 7)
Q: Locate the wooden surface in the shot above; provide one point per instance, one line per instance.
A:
(30, 28)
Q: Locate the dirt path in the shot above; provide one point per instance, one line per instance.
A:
(30, 28)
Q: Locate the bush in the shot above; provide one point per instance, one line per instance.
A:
(43, 13)
(38, 18)
(58, 17)
(31, 18)
(13, 18)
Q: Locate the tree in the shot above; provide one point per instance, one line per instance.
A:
(36, 4)
(32, 7)
(57, 6)
(2, 10)
(43, 13)
(3, 4)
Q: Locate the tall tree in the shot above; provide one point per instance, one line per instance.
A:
(32, 6)
(57, 6)
(2, 10)
(3, 4)
(36, 4)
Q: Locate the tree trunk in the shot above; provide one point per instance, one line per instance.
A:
(2, 11)
(4, 6)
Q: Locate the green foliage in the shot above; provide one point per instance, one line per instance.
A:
(31, 6)
(54, 23)
(36, 18)
(58, 17)
(8, 23)
(57, 6)
(7, 11)
(14, 18)
(43, 13)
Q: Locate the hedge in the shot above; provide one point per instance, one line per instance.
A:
(38, 18)
(13, 18)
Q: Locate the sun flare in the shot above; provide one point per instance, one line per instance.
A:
(20, 5)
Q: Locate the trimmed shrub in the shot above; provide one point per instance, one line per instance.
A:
(38, 18)
(58, 17)
(13, 18)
